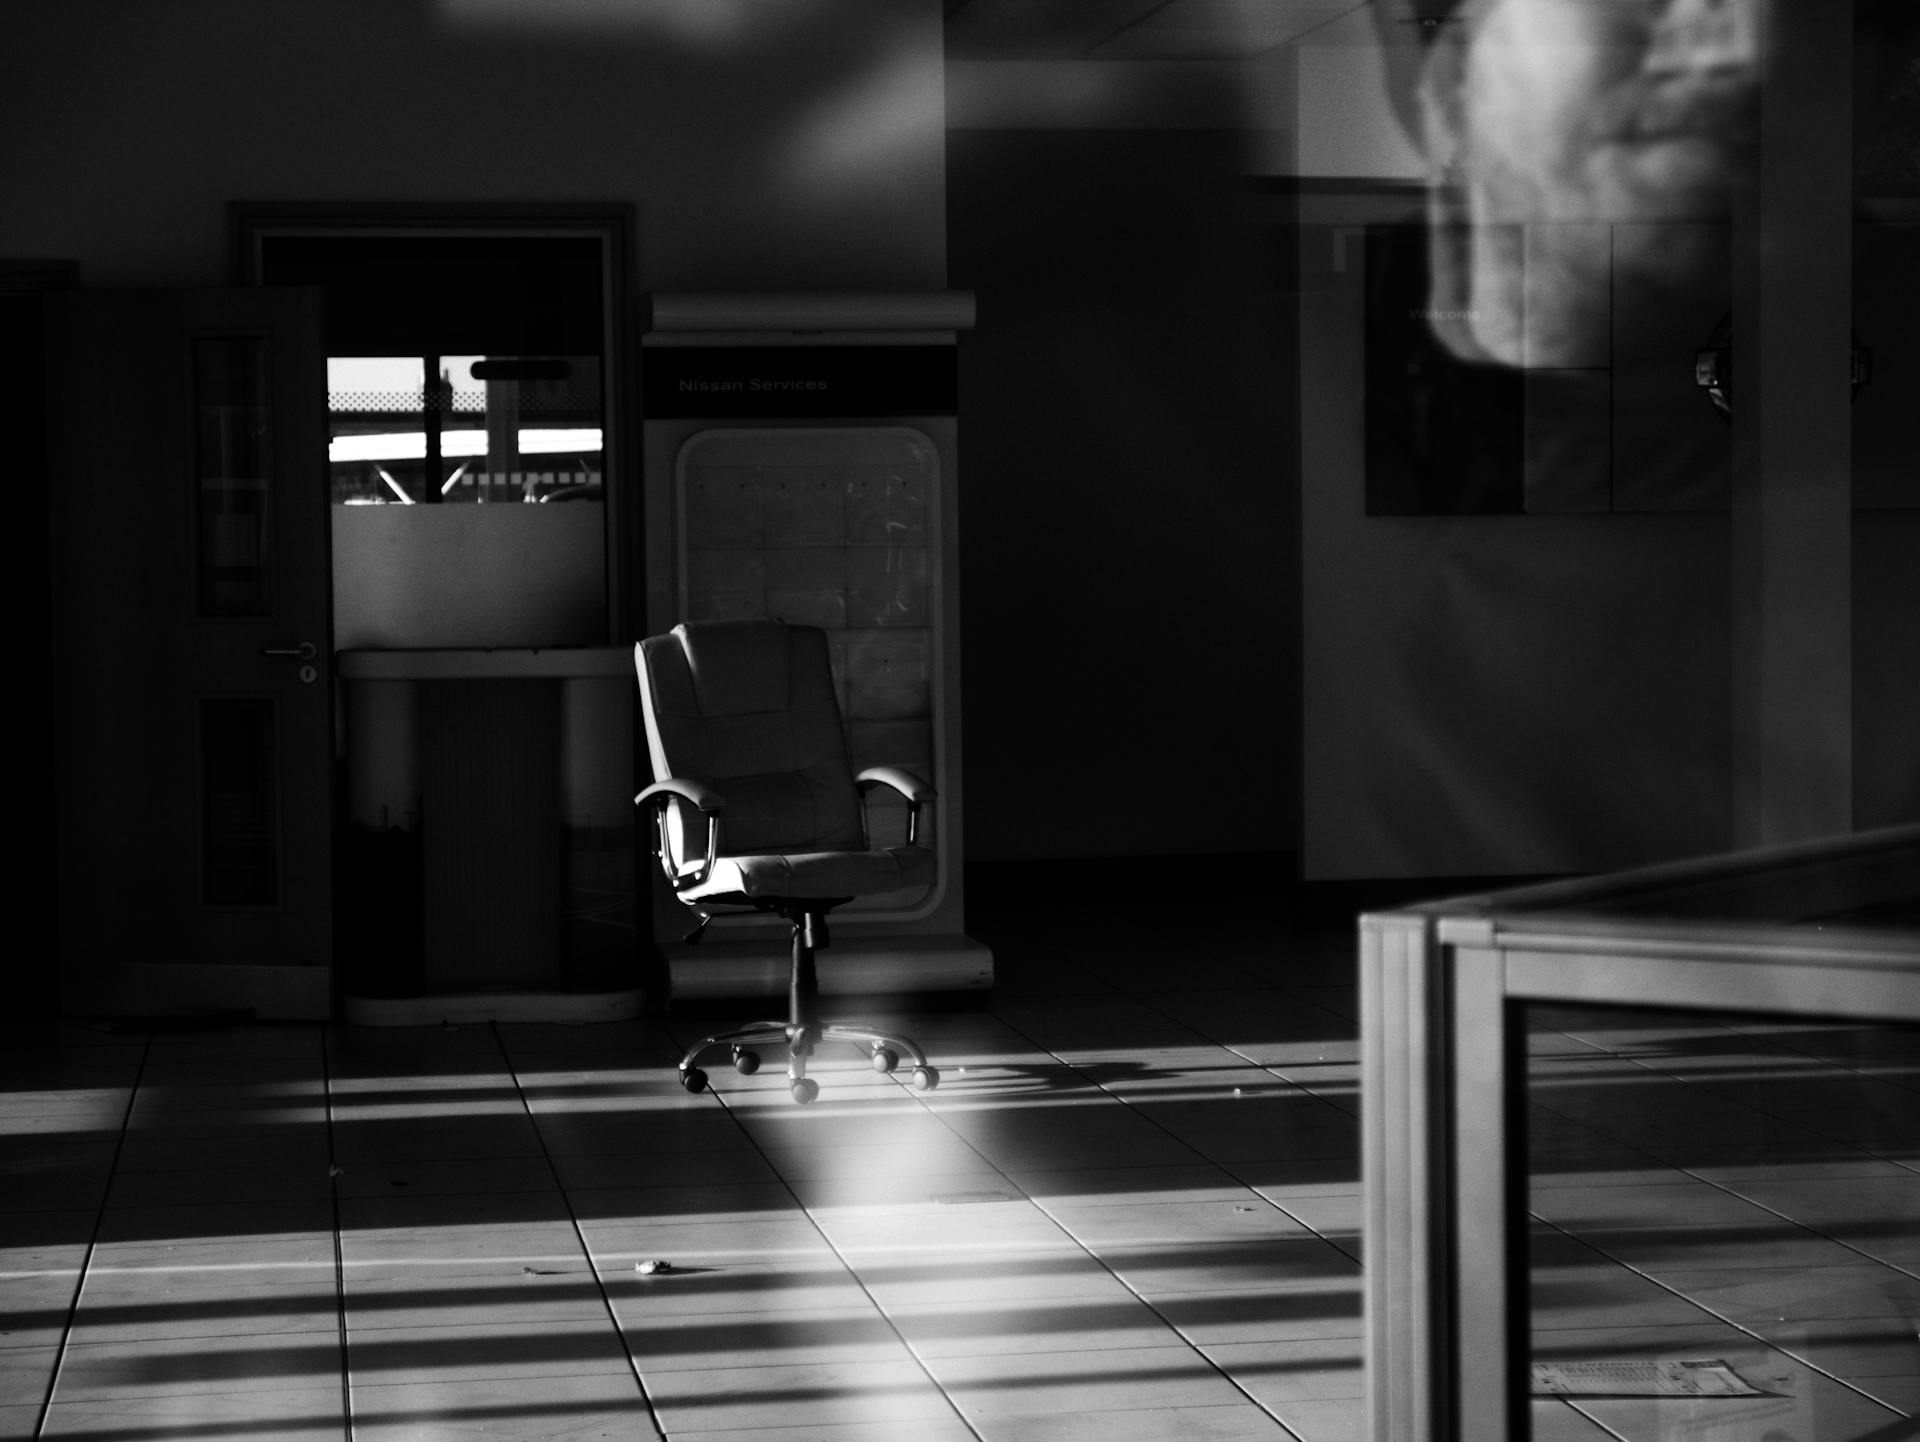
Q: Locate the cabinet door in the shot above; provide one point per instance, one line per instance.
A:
(192, 623)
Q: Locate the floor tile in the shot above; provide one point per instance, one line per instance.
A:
(708, 1242)
(948, 1156)
(903, 1277)
(489, 1351)
(1338, 1219)
(187, 1366)
(1105, 1134)
(693, 1341)
(674, 1131)
(432, 1256)
(1283, 1181)
(261, 1223)
(988, 1229)
(1035, 1383)
(1301, 1370)
(310, 1181)
(1131, 1186)
(856, 1195)
(1176, 1224)
(818, 1393)
(25, 1375)
(295, 1413)
(565, 1294)
(407, 1211)
(1233, 1422)
(58, 1188)
(567, 1408)
(1675, 1203)
(35, 1307)
(1340, 1420)
(1855, 1347)
(380, 1140)
(924, 1429)
(1803, 1405)
(135, 1308)
(1796, 1294)
(724, 1202)
(1055, 1325)
(702, 1285)
(631, 1169)
(1668, 1249)
(1257, 1265)
(413, 1176)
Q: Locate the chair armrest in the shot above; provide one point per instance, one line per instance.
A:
(710, 804)
(907, 784)
(698, 792)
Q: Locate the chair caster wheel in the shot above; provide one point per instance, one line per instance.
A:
(885, 1059)
(925, 1078)
(805, 1090)
(693, 1079)
(746, 1062)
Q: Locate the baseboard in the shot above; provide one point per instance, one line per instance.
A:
(472, 1008)
(852, 966)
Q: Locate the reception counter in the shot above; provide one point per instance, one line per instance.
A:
(486, 837)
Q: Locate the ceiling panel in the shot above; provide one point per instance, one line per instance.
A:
(1222, 29)
(1133, 29)
(1037, 29)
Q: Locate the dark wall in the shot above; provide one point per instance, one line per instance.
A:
(1129, 497)
(26, 828)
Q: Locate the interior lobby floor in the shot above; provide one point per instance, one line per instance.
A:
(1130, 1212)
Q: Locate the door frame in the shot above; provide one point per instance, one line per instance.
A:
(33, 885)
(612, 223)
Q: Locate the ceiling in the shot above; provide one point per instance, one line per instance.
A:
(1149, 30)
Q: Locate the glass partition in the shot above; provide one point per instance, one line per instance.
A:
(1668, 1117)
(1723, 1225)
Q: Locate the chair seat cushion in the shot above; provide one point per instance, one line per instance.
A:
(816, 873)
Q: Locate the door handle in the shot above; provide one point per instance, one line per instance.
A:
(303, 652)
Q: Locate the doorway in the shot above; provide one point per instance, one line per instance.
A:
(478, 501)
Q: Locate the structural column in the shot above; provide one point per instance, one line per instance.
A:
(1792, 614)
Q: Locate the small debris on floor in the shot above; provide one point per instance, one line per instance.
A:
(652, 1265)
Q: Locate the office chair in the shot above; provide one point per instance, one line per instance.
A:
(744, 733)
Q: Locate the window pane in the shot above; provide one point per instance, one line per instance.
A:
(231, 460)
(441, 470)
(239, 803)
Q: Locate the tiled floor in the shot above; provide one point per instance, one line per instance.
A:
(1734, 1189)
(1128, 1212)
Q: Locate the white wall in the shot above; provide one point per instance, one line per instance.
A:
(1495, 695)
(1344, 126)
(792, 145)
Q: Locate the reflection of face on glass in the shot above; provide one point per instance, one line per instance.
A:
(1560, 134)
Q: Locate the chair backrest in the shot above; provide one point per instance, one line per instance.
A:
(748, 707)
